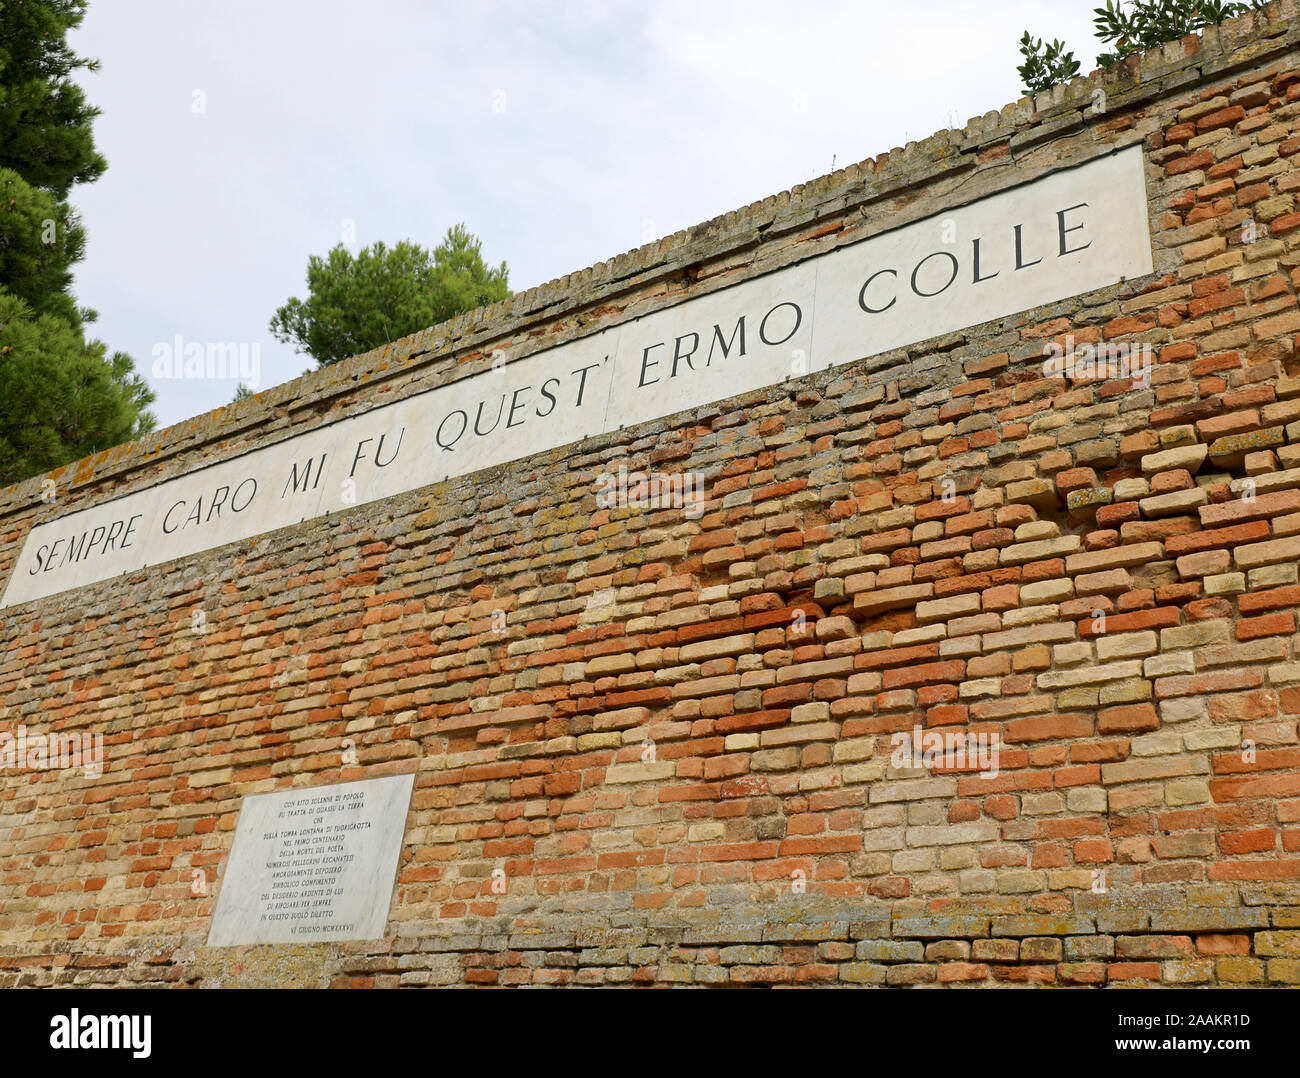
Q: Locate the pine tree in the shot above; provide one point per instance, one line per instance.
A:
(62, 396)
(40, 239)
(356, 303)
(45, 122)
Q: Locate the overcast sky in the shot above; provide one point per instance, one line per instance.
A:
(244, 136)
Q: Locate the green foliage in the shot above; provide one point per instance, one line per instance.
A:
(356, 303)
(1045, 66)
(40, 238)
(45, 123)
(61, 398)
(242, 391)
(1151, 23)
(1141, 25)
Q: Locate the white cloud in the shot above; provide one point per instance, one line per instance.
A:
(616, 114)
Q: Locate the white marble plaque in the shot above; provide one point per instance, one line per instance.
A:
(1068, 232)
(311, 865)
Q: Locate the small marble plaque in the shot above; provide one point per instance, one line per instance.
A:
(310, 865)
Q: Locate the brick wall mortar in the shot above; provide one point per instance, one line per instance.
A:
(1122, 756)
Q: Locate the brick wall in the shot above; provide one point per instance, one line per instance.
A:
(651, 749)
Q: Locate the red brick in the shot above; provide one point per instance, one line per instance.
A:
(1216, 538)
(1269, 625)
(1221, 118)
(951, 671)
(1048, 728)
(1200, 159)
(1273, 599)
(1131, 718)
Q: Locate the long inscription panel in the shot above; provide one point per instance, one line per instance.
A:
(1066, 233)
